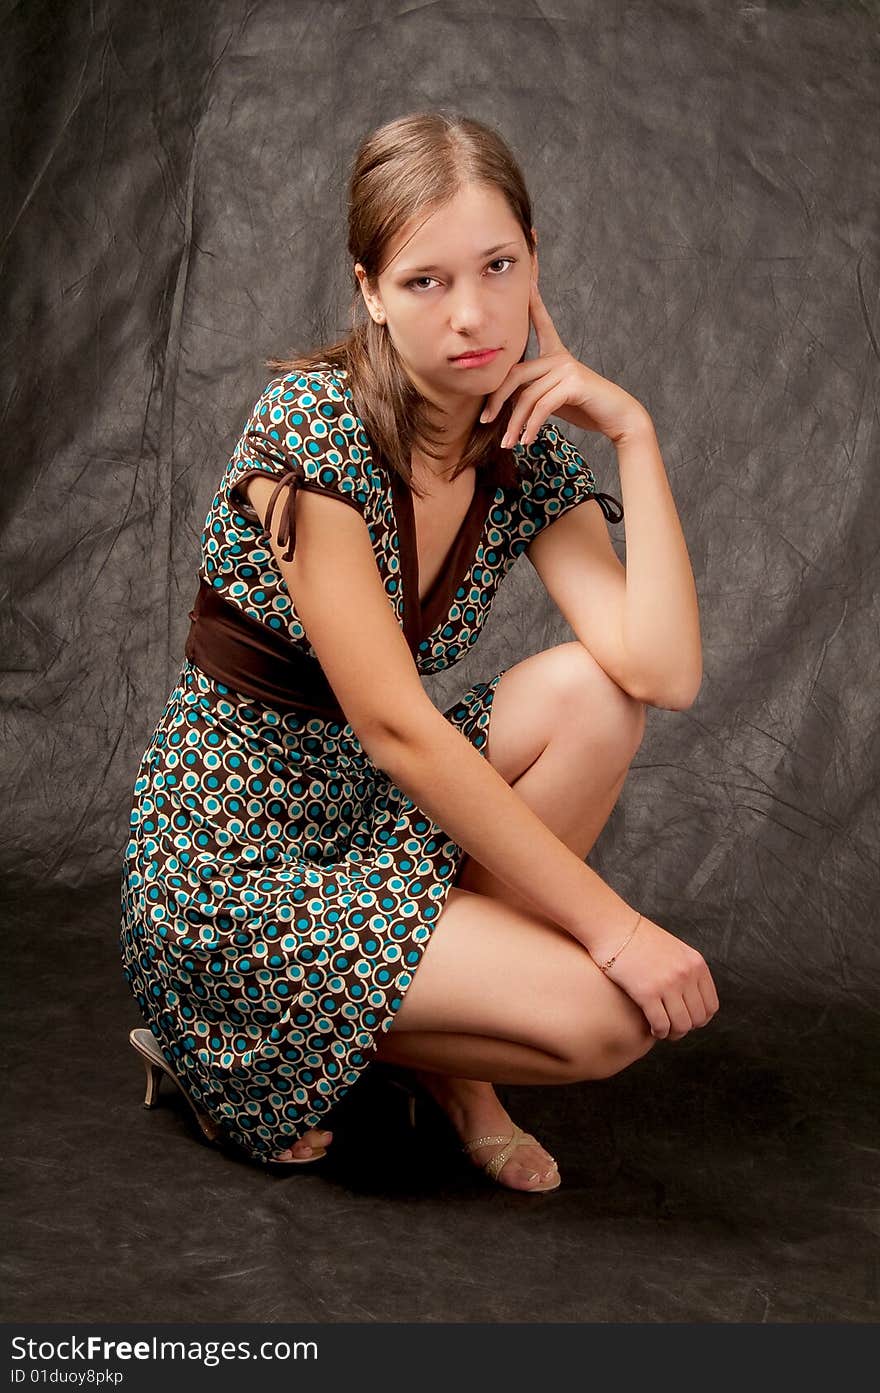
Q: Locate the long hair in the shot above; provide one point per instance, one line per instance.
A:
(408, 168)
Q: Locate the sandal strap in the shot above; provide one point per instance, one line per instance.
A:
(495, 1163)
(482, 1141)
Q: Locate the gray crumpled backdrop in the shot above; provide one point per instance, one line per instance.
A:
(702, 177)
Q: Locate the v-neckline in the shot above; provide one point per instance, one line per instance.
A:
(420, 617)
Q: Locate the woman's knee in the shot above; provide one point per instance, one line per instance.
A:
(613, 1036)
(551, 995)
(591, 703)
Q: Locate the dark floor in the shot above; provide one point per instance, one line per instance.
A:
(728, 1177)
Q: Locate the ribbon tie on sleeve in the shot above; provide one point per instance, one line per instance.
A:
(611, 507)
(294, 475)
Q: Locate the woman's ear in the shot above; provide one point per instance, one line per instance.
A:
(372, 302)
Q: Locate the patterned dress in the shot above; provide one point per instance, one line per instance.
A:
(278, 890)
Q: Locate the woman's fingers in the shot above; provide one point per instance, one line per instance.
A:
(657, 1019)
(707, 991)
(692, 1008)
(679, 1015)
(668, 979)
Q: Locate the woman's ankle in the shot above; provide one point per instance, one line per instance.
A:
(439, 1083)
(460, 1096)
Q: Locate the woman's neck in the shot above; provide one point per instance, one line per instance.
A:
(439, 469)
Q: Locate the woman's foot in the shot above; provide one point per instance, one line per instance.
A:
(475, 1110)
(311, 1143)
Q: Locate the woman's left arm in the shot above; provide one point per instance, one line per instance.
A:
(657, 630)
(661, 622)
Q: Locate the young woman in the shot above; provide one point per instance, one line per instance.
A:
(324, 870)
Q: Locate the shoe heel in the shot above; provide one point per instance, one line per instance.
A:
(410, 1100)
(144, 1044)
(154, 1079)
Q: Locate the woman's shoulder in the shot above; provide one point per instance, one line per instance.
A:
(309, 414)
(305, 395)
(555, 477)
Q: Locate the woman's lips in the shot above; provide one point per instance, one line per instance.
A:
(475, 360)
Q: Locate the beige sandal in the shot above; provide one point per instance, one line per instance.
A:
(144, 1042)
(493, 1166)
(414, 1090)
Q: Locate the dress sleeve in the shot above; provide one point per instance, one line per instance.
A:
(304, 434)
(556, 477)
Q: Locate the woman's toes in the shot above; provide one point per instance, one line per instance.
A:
(522, 1172)
(520, 1176)
(307, 1145)
(316, 1138)
(314, 1141)
(536, 1168)
(527, 1178)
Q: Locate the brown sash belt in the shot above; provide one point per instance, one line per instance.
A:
(247, 656)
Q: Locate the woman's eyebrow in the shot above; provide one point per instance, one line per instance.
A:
(417, 270)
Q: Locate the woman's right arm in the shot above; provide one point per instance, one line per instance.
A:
(342, 603)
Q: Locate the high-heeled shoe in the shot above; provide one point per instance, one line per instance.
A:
(493, 1165)
(415, 1092)
(144, 1042)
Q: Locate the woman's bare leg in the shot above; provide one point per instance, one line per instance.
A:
(500, 993)
(563, 735)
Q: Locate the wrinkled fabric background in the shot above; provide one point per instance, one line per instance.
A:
(704, 181)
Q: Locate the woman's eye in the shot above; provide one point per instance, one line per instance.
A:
(498, 260)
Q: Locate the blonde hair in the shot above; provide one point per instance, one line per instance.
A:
(405, 169)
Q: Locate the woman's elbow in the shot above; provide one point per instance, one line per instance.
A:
(679, 696)
(384, 736)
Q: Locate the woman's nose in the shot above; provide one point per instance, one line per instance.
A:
(467, 319)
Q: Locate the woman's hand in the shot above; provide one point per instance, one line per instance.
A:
(556, 384)
(667, 978)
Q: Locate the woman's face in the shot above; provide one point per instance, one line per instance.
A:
(453, 282)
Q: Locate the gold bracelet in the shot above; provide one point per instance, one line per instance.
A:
(603, 967)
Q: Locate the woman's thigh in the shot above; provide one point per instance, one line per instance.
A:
(492, 969)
